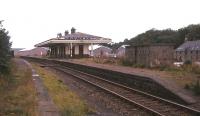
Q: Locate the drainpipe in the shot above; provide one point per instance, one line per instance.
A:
(91, 49)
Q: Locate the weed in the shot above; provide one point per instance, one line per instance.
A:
(195, 87)
(187, 86)
(125, 62)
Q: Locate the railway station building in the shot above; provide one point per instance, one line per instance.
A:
(74, 45)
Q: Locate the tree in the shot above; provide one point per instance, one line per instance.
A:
(5, 46)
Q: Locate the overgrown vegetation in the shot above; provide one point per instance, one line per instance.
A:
(18, 96)
(191, 82)
(195, 87)
(68, 102)
(104, 60)
(4, 51)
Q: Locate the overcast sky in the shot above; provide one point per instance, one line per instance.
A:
(32, 21)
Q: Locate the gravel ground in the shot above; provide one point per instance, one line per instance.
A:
(102, 103)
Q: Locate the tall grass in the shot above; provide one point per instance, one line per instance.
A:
(18, 96)
(68, 102)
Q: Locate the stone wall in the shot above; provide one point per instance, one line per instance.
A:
(183, 56)
(150, 55)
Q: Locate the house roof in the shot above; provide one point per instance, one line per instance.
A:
(189, 45)
(103, 47)
(77, 37)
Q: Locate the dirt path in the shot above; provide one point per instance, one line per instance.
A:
(46, 107)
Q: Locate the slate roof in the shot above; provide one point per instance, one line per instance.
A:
(76, 37)
(81, 36)
(189, 45)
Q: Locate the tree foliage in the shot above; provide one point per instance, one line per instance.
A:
(155, 36)
(5, 47)
(176, 37)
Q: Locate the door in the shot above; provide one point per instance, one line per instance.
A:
(73, 51)
(81, 50)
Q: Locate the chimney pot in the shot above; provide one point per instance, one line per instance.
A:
(59, 35)
(73, 30)
(66, 32)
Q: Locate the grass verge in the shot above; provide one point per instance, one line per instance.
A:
(18, 96)
(68, 102)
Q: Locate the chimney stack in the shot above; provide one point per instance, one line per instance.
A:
(66, 33)
(59, 35)
(73, 30)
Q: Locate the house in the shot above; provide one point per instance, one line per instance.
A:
(188, 51)
(102, 51)
(151, 55)
(74, 45)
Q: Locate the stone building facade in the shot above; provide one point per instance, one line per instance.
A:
(188, 51)
(150, 55)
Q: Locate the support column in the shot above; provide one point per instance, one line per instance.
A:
(53, 51)
(63, 51)
(58, 54)
(50, 53)
(92, 49)
(62, 54)
(71, 50)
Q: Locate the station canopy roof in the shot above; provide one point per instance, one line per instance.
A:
(76, 37)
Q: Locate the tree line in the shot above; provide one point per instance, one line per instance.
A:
(5, 48)
(176, 37)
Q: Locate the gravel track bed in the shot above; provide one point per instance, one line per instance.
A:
(159, 106)
(105, 104)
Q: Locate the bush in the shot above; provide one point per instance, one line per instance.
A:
(187, 86)
(196, 69)
(187, 62)
(125, 62)
(195, 87)
(139, 66)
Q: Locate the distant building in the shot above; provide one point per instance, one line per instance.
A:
(41, 51)
(150, 55)
(72, 45)
(190, 50)
(120, 52)
(102, 52)
(16, 50)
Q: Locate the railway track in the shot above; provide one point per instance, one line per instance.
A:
(152, 104)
